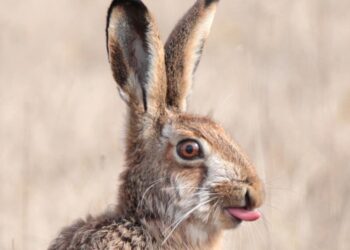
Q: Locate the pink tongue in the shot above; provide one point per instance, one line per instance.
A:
(244, 214)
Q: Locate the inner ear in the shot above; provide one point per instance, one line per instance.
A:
(139, 61)
(136, 55)
(140, 56)
(132, 30)
(135, 28)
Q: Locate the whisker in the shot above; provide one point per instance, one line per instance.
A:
(212, 210)
(195, 188)
(179, 221)
(153, 184)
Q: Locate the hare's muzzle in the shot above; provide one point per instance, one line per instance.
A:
(248, 211)
(241, 200)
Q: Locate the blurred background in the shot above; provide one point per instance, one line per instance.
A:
(275, 73)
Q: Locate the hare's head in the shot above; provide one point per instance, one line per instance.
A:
(180, 166)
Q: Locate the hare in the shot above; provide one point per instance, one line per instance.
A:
(185, 180)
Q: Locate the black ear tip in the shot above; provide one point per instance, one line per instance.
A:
(126, 3)
(209, 2)
(119, 2)
(136, 9)
(133, 4)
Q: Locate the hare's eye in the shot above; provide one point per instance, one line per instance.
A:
(189, 150)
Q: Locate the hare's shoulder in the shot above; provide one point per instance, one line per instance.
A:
(103, 232)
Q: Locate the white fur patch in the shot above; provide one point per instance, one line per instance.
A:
(197, 235)
(220, 170)
(167, 131)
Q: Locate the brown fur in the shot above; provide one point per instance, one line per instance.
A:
(180, 47)
(165, 202)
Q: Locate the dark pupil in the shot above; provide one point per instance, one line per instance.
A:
(189, 149)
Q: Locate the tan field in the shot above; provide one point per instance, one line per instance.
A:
(275, 73)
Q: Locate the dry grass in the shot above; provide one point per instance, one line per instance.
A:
(275, 73)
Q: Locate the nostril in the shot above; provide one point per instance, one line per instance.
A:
(247, 198)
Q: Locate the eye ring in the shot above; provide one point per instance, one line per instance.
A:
(189, 149)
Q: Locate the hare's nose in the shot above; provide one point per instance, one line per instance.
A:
(253, 197)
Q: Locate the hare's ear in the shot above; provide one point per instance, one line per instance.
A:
(183, 51)
(136, 55)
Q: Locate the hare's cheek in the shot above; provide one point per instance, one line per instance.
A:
(188, 180)
(220, 170)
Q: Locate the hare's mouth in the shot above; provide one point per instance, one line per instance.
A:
(243, 214)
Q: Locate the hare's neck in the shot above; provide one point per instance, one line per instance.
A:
(198, 237)
(189, 235)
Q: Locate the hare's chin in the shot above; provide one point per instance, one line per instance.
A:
(227, 221)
